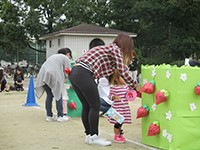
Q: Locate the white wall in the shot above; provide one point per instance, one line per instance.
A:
(54, 45)
(78, 44)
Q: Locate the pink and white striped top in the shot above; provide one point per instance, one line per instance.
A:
(121, 105)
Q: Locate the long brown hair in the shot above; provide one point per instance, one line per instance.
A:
(116, 79)
(125, 43)
(134, 54)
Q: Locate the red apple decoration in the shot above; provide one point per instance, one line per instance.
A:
(72, 105)
(154, 129)
(142, 111)
(67, 71)
(197, 88)
(161, 96)
(148, 87)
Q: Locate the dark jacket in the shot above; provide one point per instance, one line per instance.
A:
(134, 64)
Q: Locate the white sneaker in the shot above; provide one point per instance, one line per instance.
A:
(62, 119)
(87, 139)
(98, 141)
(49, 119)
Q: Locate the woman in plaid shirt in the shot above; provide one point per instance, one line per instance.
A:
(100, 61)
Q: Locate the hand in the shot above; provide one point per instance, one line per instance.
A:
(115, 97)
(138, 88)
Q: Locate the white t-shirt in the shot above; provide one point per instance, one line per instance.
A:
(104, 89)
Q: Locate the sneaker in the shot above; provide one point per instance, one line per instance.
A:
(87, 139)
(98, 141)
(119, 138)
(62, 119)
(49, 119)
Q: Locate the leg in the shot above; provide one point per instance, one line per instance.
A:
(3, 84)
(49, 99)
(118, 133)
(64, 102)
(104, 106)
(85, 109)
(59, 107)
(85, 87)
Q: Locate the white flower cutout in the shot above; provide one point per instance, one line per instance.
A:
(153, 73)
(145, 81)
(169, 137)
(183, 77)
(153, 106)
(168, 115)
(168, 74)
(164, 133)
(193, 106)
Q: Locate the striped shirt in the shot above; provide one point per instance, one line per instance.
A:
(121, 105)
(103, 60)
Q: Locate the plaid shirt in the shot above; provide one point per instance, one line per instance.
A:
(103, 60)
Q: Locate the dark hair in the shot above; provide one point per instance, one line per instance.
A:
(125, 43)
(19, 69)
(96, 42)
(64, 51)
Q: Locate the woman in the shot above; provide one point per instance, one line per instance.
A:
(100, 61)
(51, 78)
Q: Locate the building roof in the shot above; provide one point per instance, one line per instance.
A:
(86, 30)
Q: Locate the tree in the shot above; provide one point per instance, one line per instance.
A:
(13, 39)
(166, 29)
(121, 14)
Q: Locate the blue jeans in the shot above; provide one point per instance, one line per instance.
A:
(48, 103)
(104, 106)
(3, 84)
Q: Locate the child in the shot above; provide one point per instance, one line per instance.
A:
(104, 90)
(65, 97)
(3, 81)
(18, 80)
(118, 90)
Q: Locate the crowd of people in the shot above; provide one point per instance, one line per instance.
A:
(100, 77)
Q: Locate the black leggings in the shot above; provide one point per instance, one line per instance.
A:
(85, 87)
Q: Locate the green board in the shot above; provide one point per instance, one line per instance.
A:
(179, 116)
(73, 97)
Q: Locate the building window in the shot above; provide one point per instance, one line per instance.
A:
(50, 43)
(58, 42)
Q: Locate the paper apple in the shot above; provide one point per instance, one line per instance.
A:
(142, 111)
(131, 95)
(197, 88)
(148, 87)
(161, 96)
(72, 105)
(67, 71)
(154, 129)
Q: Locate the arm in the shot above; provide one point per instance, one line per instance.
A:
(113, 95)
(123, 69)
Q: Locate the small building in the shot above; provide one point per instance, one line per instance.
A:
(77, 38)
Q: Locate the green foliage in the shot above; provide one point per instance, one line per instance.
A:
(11, 31)
(168, 30)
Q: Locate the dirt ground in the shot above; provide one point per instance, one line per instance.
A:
(25, 128)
